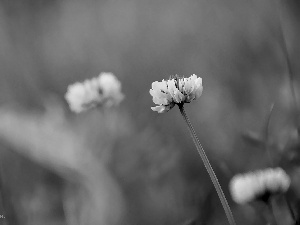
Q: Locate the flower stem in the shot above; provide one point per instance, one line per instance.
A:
(208, 167)
(291, 210)
(267, 126)
(270, 206)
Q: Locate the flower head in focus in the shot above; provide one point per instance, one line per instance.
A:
(175, 90)
(258, 185)
(102, 90)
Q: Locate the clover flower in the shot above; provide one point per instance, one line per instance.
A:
(258, 185)
(102, 90)
(175, 90)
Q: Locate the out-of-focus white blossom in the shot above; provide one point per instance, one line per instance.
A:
(258, 184)
(176, 90)
(102, 90)
(111, 89)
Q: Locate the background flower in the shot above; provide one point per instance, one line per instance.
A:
(102, 90)
(254, 185)
(110, 88)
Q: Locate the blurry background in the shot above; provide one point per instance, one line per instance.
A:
(130, 165)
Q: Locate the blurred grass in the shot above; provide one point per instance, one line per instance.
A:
(147, 158)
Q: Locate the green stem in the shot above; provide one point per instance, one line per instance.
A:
(208, 167)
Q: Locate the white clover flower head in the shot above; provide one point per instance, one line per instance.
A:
(102, 90)
(175, 90)
(258, 185)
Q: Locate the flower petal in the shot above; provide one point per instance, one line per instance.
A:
(174, 92)
(160, 109)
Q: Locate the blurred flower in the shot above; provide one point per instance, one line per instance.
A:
(176, 90)
(102, 90)
(258, 185)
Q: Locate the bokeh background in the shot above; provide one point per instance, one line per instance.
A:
(129, 165)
